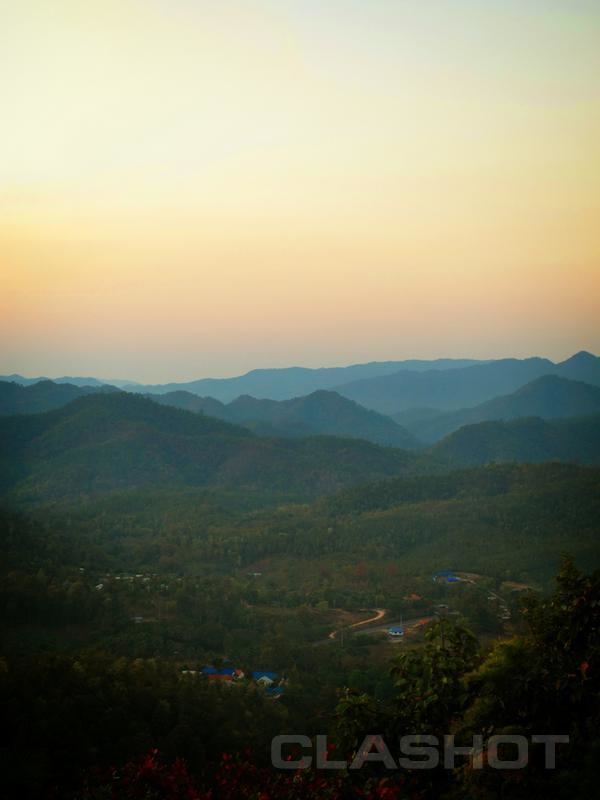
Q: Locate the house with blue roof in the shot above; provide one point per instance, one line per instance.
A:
(225, 674)
(396, 631)
(264, 678)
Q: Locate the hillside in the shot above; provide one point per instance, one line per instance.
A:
(42, 396)
(112, 441)
(530, 440)
(464, 387)
(104, 442)
(499, 520)
(518, 518)
(191, 402)
(320, 413)
(548, 397)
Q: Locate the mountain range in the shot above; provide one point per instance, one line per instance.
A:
(320, 413)
(275, 384)
(108, 441)
(388, 387)
(42, 396)
(463, 387)
(289, 382)
(329, 413)
(548, 397)
(73, 380)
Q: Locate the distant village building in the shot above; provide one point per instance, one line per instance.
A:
(263, 678)
(445, 576)
(224, 675)
(269, 681)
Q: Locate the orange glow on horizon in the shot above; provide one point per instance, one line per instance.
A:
(201, 188)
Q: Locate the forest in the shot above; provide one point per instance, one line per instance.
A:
(90, 723)
(177, 589)
(113, 605)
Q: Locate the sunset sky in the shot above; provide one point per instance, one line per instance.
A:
(193, 188)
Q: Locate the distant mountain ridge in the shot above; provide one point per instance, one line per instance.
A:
(387, 386)
(282, 383)
(548, 397)
(288, 382)
(414, 395)
(320, 413)
(464, 387)
(73, 380)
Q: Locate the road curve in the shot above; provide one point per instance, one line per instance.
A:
(379, 614)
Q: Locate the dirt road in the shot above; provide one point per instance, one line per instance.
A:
(379, 614)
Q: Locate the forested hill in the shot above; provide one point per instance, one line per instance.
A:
(525, 440)
(111, 441)
(476, 483)
(104, 442)
(548, 397)
(42, 396)
(320, 413)
(511, 520)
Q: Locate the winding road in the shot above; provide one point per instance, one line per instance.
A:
(379, 614)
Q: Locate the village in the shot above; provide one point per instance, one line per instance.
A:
(271, 683)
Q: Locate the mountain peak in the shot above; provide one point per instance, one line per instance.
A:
(582, 357)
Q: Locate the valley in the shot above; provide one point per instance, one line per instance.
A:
(264, 559)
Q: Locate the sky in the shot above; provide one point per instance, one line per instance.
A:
(197, 187)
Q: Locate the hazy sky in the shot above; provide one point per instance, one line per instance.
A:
(193, 188)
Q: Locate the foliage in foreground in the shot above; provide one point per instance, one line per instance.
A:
(65, 719)
(546, 681)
